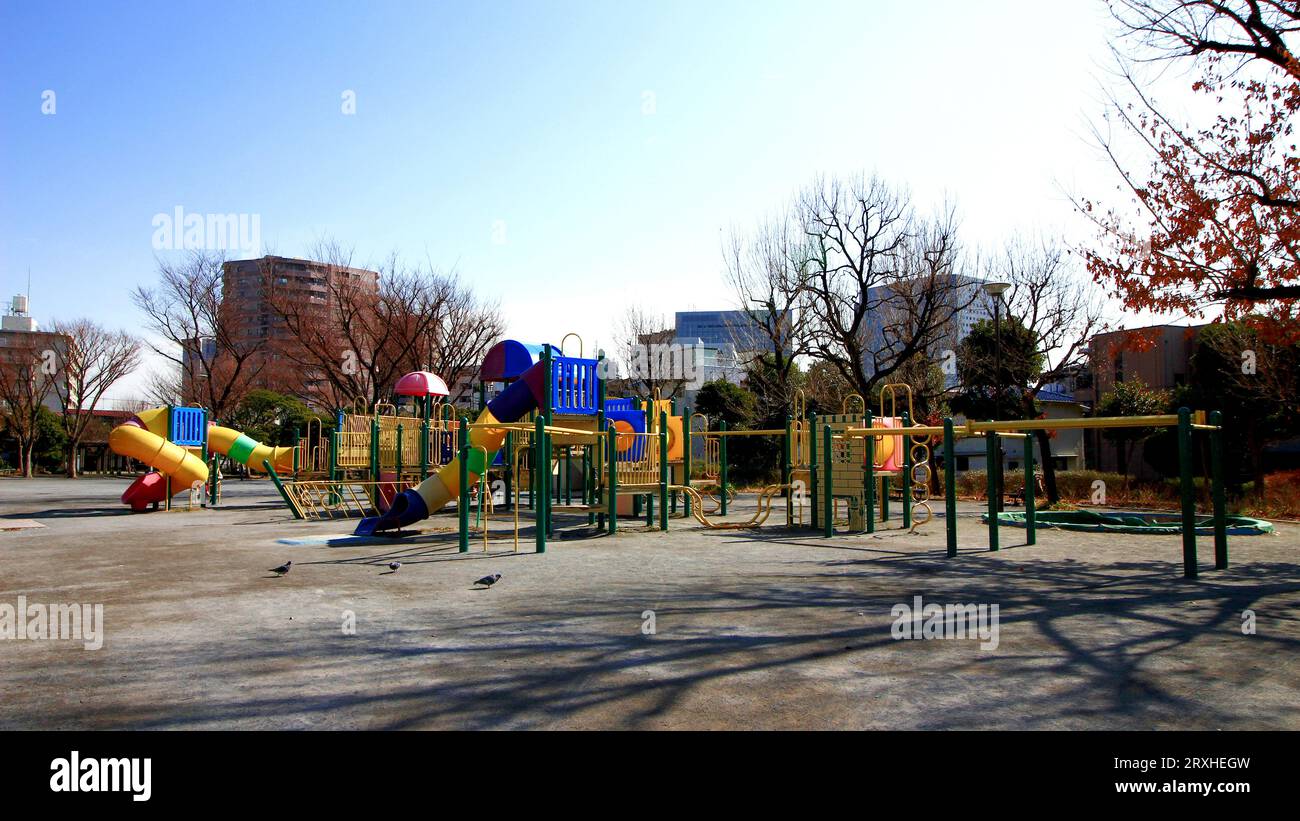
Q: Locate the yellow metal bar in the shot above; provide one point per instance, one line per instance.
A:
(919, 430)
(516, 426)
(1163, 420)
(711, 433)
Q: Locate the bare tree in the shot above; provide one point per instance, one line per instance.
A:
(163, 387)
(464, 328)
(93, 360)
(364, 334)
(1246, 29)
(650, 360)
(884, 286)
(28, 376)
(766, 270)
(187, 309)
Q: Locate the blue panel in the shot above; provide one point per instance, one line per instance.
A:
(636, 420)
(189, 427)
(573, 385)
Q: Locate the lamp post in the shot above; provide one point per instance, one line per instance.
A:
(996, 290)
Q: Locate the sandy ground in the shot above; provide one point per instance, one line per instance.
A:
(773, 628)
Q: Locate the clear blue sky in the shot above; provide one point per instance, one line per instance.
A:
(529, 113)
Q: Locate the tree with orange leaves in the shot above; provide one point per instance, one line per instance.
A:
(1217, 211)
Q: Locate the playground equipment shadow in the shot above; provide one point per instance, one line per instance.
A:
(770, 628)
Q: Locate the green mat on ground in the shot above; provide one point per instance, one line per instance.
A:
(1121, 521)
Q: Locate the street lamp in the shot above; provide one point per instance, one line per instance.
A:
(996, 290)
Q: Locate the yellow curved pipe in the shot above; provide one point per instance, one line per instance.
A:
(222, 440)
(173, 460)
(443, 486)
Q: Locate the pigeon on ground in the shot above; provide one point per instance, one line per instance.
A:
(282, 569)
(488, 581)
(394, 566)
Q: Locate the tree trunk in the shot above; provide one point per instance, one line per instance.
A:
(70, 458)
(26, 450)
(1049, 469)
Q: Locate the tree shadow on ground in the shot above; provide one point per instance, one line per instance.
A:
(1122, 645)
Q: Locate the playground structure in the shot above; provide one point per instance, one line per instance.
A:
(182, 445)
(550, 443)
(550, 434)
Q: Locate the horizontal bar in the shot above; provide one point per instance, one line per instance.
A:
(920, 430)
(1160, 421)
(521, 426)
(773, 432)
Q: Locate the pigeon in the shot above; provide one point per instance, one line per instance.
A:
(488, 581)
(394, 566)
(282, 569)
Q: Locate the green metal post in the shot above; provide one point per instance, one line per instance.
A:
(1031, 504)
(587, 500)
(424, 439)
(279, 485)
(907, 473)
(539, 442)
(462, 501)
(611, 463)
(1188, 492)
(722, 463)
(813, 463)
(828, 492)
(869, 479)
(663, 470)
(1217, 492)
(397, 457)
(949, 487)
(334, 466)
(374, 449)
(990, 455)
(548, 492)
(424, 450)
(593, 451)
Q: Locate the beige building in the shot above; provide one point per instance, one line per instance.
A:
(23, 349)
(251, 288)
(1159, 355)
(1067, 445)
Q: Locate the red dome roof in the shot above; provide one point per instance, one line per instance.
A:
(421, 383)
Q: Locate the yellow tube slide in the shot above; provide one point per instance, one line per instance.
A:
(443, 486)
(246, 450)
(155, 451)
